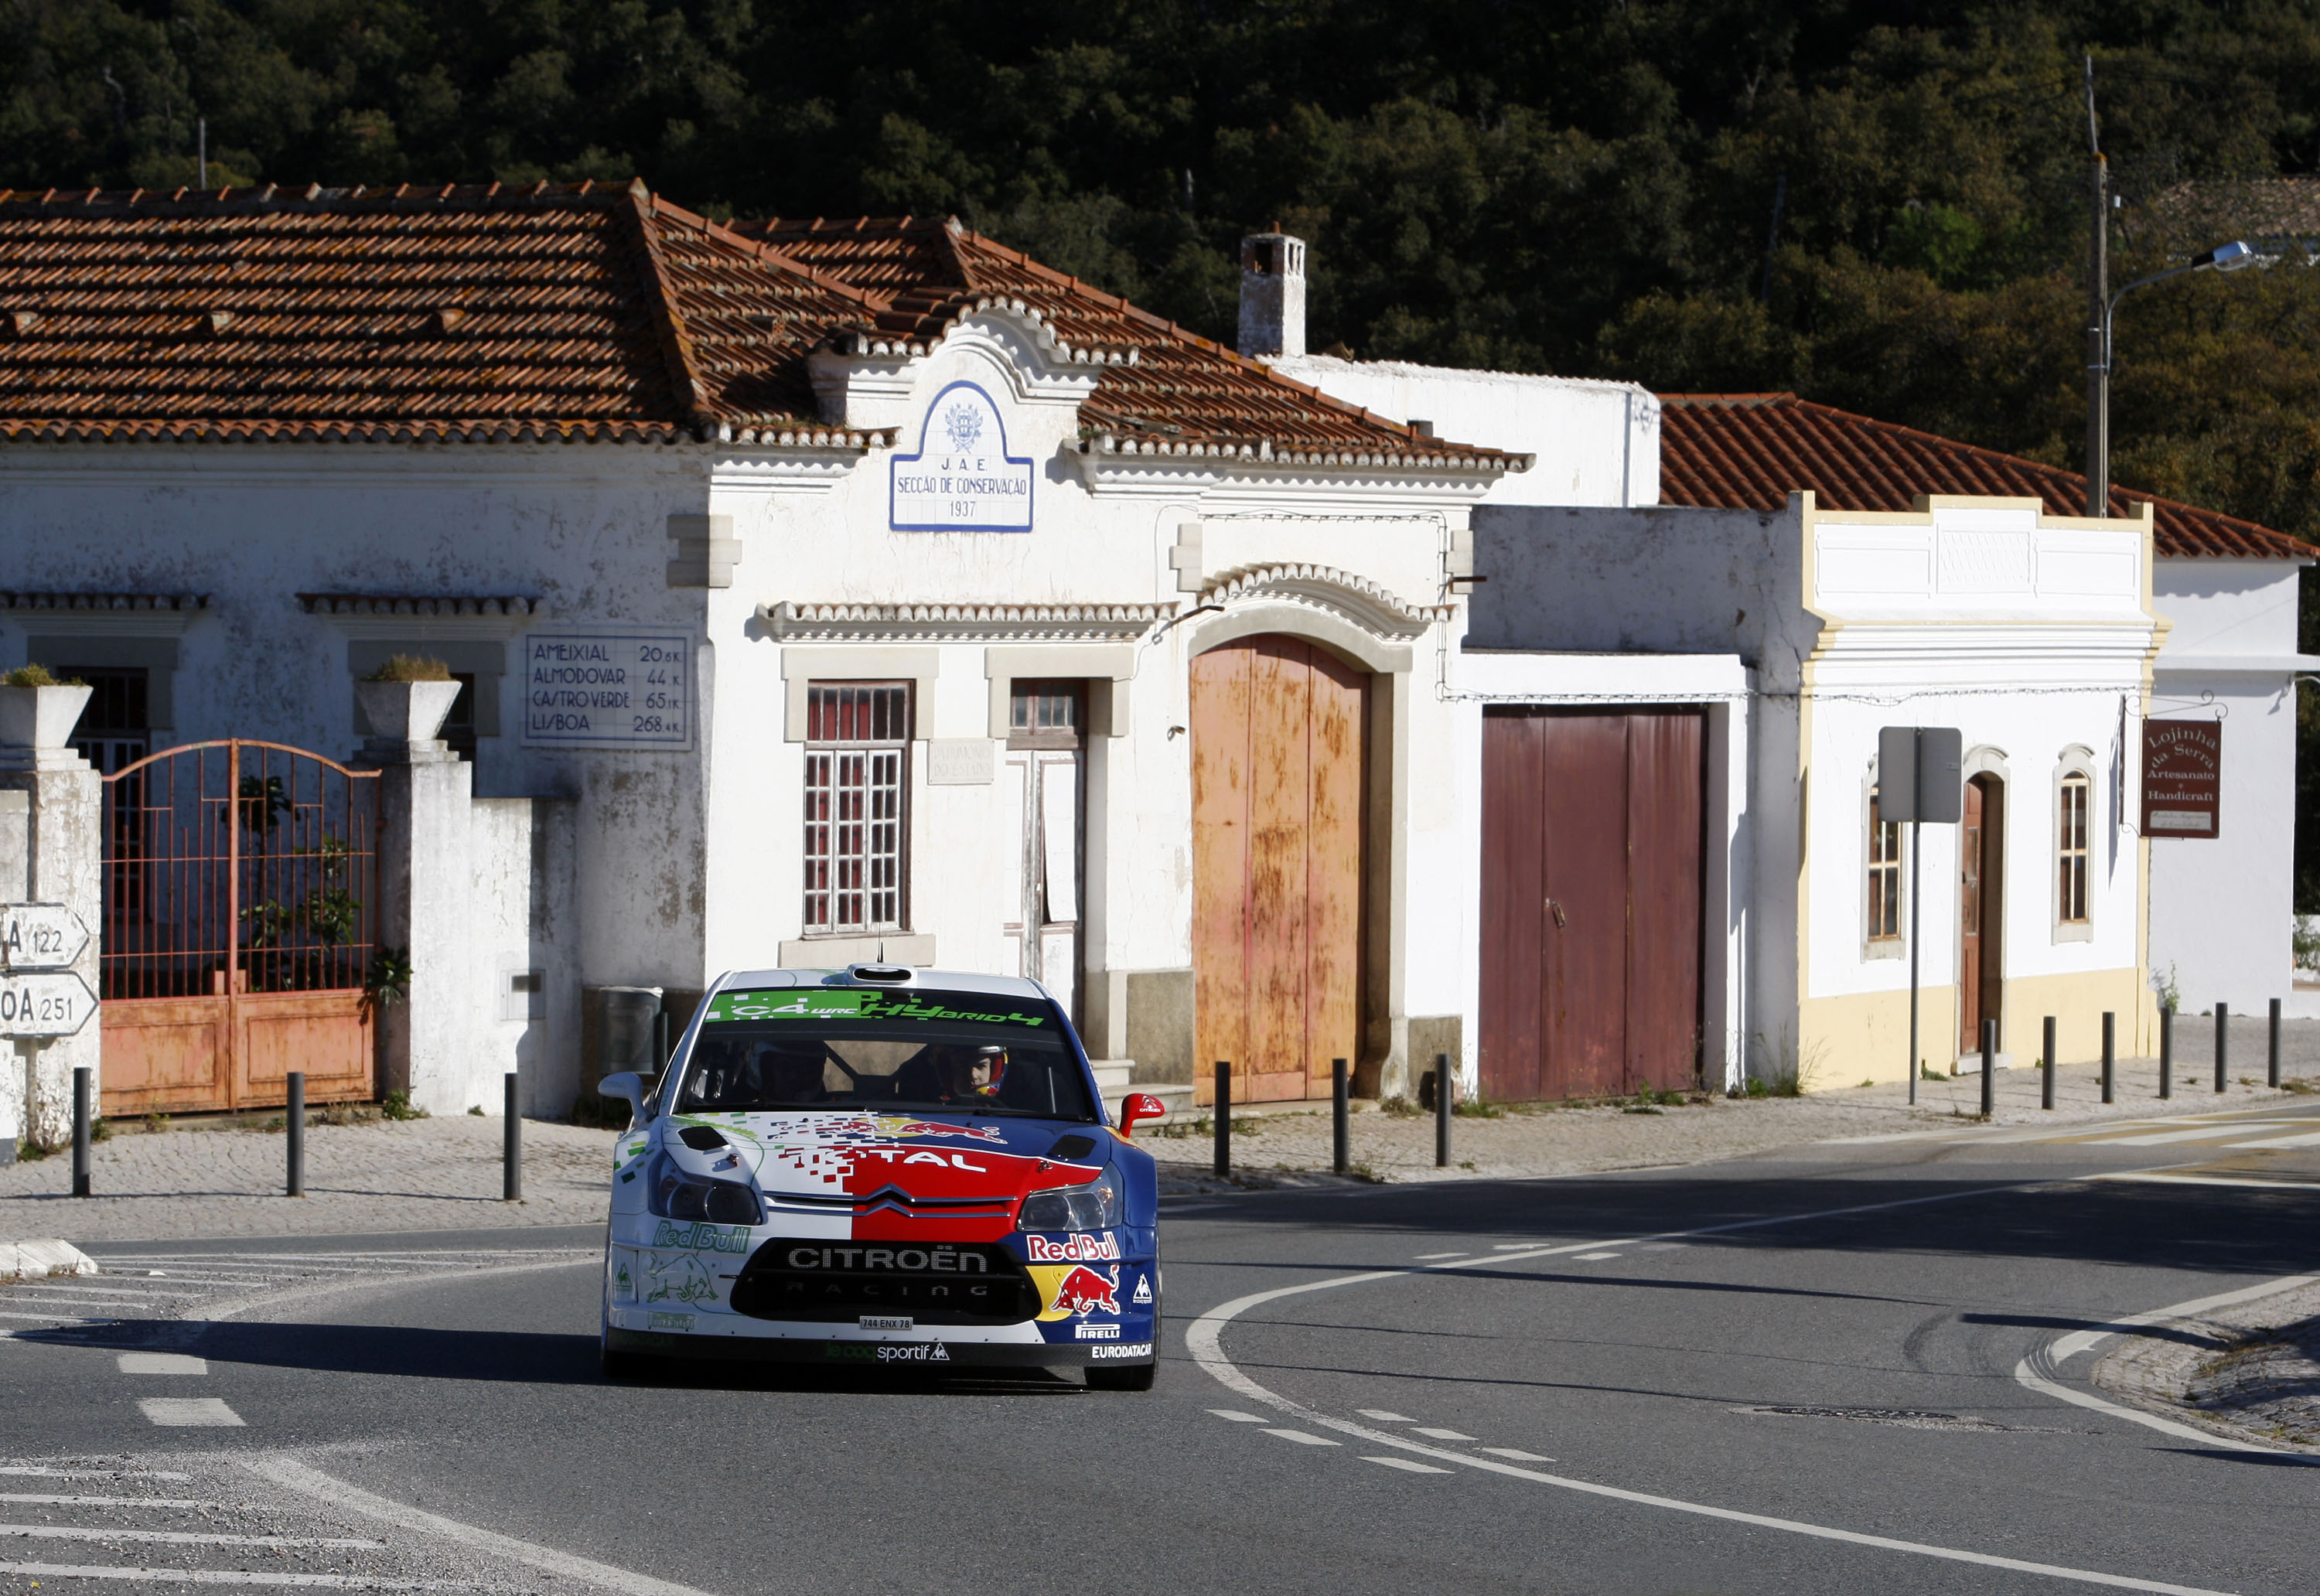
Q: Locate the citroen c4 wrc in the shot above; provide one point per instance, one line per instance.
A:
(881, 1167)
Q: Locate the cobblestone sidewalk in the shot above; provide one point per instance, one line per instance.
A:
(2251, 1371)
(412, 1174)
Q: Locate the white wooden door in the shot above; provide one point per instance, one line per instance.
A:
(1042, 792)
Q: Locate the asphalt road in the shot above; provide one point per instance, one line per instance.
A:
(1567, 1404)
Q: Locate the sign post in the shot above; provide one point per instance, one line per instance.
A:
(1918, 780)
(41, 995)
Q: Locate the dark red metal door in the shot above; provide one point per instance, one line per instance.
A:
(1591, 895)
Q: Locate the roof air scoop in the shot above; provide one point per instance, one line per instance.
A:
(880, 975)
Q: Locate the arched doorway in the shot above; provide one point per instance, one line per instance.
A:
(1278, 760)
(1982, 912)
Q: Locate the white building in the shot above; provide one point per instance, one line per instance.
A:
(819, 593)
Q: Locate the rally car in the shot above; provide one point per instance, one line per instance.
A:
(881, 1165)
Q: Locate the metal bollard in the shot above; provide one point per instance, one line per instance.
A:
(1224, 1119)
(2046, 1087)
(1445, 1093)
(2110, 1056)
(2166, 1051)
(2223, 1042)
(1989, 1068)
(81, 1129)
(512, 1187)
(2271, 1071)
(293, 1120)
(1340, 1132)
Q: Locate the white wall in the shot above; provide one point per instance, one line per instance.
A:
(1597, 442)
(2221, 908)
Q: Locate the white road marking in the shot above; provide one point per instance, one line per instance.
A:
(2197, 1133)
(2310, 1138)
(1384, 1417)
(1517, 1453)
(1303, 1437)
(1237, 1416)
(59, 1318)
(1204, 1339)
(180, 1537)
(162, 1363)
(108, 1502)
(227, 1576)
(1442, 1435)
(182, 1412)
(50, 1294)
(1408, 1464)
(1424, 1256)
(91, 1473)
(1512, 1246)
(2065, 1347)
(2157, 1179)
(296, 1476)
(1594, 1258)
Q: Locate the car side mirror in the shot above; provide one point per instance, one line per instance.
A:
(1139, 1105)
(628, 1086)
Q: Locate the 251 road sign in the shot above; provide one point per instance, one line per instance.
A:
(45, 1004)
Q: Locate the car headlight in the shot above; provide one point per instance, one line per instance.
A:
(1094, 1206)
(673, 1194)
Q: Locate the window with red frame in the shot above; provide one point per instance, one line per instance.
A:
(857, 774)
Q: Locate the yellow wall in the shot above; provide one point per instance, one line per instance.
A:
(1847, 1040)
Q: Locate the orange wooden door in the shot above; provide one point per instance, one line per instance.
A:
(1278, 757)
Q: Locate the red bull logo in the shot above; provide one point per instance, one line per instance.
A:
(1088, 1247)
(1083, 1291)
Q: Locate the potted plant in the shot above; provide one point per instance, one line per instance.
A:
(406, 698)
(38, 710)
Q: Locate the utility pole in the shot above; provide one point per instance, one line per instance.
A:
(2098, 308)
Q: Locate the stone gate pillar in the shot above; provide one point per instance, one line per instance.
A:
(425, 888)
(50, 852)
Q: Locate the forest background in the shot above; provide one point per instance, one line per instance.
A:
(1880, 204)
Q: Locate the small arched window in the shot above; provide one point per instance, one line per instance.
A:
(2073, 872)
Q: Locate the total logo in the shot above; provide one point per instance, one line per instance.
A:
(1088, 1247)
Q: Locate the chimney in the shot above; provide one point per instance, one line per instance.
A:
(1273, 296)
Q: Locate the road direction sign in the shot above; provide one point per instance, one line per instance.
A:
(47, 1004)
(39, 937)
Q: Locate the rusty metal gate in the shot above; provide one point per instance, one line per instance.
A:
(240, 885)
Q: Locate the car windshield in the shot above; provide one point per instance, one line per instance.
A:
(851, 1048)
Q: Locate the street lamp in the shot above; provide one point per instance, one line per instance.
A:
(2229, 257)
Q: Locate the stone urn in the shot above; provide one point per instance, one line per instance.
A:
(405, 712)
(36, 724)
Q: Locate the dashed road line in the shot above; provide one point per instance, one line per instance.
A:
(1303, 1437)
(189, 1412)
(1441, 1434)
(91, 1473)
(178, 1537)
(1237, 1416)
(1384, 1416)
(228, 1576)
(1406, 1464)
(2310, 1138)
(1427, 1257)
(106, 1501)
(1593, 1257)
(1517, 1453)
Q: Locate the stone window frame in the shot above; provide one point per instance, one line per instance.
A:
(1872, 945)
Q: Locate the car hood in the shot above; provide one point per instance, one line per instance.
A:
(929, 1169)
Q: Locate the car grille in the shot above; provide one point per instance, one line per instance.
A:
(938, 1284)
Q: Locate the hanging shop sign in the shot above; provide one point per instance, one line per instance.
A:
(962, 479)
(2182, 778)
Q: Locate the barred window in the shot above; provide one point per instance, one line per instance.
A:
(1884, 874)
(2071, 847)
(856, 768)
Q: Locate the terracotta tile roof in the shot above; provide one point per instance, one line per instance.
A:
(489, 313)
(1175, 392)
(1751, 450)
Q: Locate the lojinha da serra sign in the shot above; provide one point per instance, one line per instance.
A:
(2182, 778)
